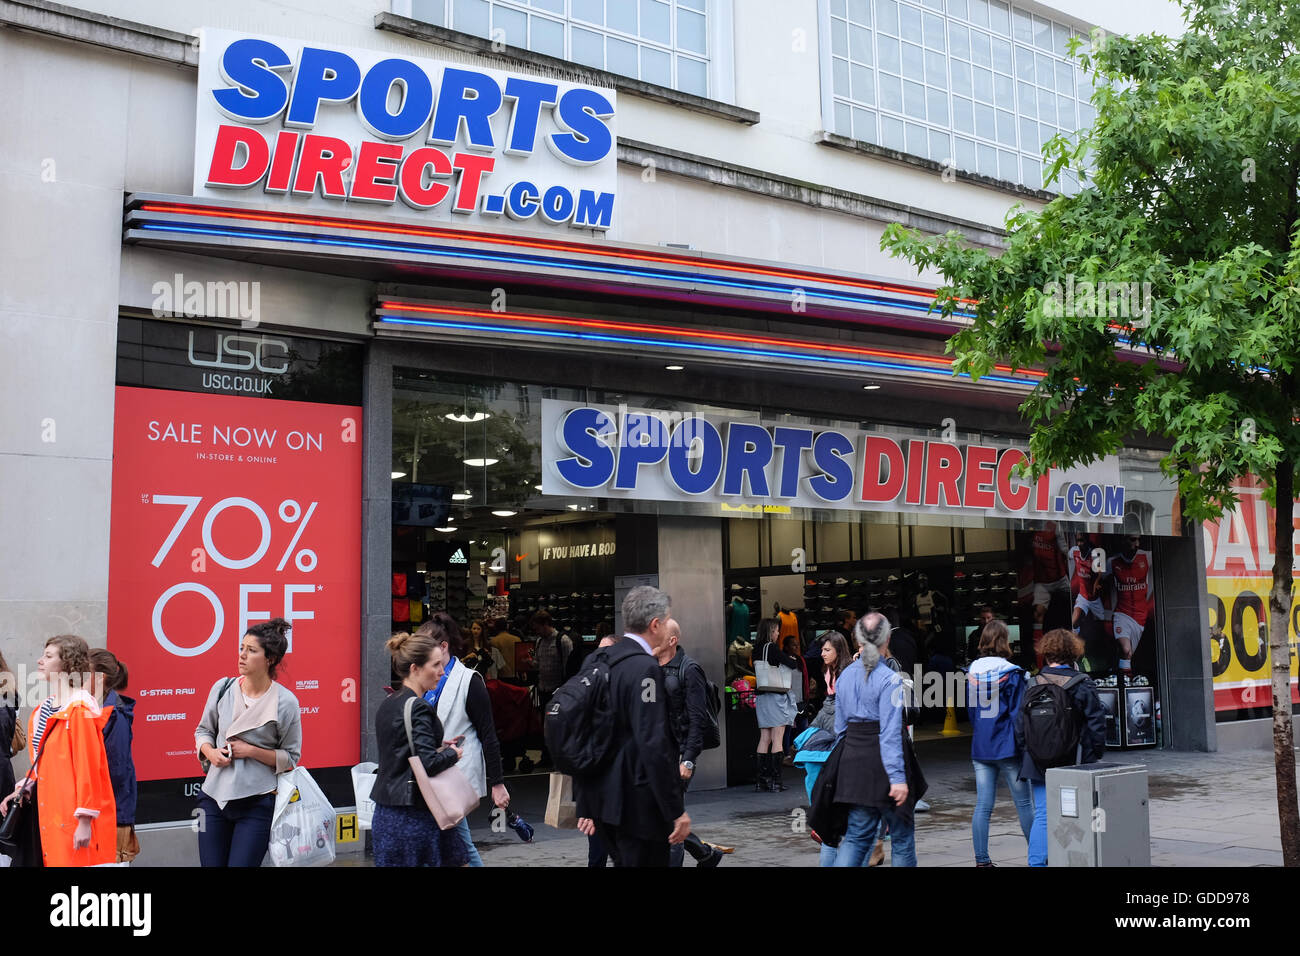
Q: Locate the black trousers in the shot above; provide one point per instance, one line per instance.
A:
(692, 844)
(626, 849)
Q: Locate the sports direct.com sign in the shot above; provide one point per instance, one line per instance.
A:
(323, 127)
(655, 455)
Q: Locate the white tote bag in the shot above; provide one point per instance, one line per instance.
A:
(302, 830)
(771, 678)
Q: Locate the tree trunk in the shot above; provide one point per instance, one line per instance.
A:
(1279, 605)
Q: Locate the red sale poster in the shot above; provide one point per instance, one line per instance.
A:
(227, 511)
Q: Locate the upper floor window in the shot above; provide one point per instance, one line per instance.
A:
(666, 42)
(980, 84)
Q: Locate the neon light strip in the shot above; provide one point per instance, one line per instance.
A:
(572, 247)
(674, 332)
(519, 259)
(683, 346)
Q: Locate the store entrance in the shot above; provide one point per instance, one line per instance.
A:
(1101, 586)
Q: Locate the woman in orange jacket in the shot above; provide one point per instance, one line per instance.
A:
(74, 794)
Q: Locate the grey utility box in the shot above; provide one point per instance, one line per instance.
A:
(1098, 814)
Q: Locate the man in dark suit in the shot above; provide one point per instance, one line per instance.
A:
(635, 804)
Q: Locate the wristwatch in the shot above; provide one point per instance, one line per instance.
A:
(689, 765)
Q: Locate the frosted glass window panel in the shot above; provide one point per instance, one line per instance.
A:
(916, 137)
(887, 49)
(1064, 78)
(963, 114)
(927, 540)
(1042, 33)
(1046, 72)
(656, 23)
(958, 41)
(913, 62)
(891, 132)
(554, 6)
(983, 84)
(933, 4)
(832, 539)
(693, 4)
(471, 16)
(999, 18)
(957, 8)
(1065, 113)
(1006, 128)
(546, 36)
(988, 161)
(1028, 134)
(1002, 55)
(1022, 26)
(864, 125)
(934, 32)
(860, 44)
(986, 539)
(936, 104)
(657, 66)
(882, 541)
(515, 25)
(592, 11)
(429, 11)
(1032, 171)
(622, 57)
(839, 38)
(786, 536)
(840, 77)
(588, 47)
(940, 146)
(839, 9)
(1009, 165)
(860, 11)
(1060, 39)
(887, 16)
(1087, 116)
(979, 12)
(844, 120)
(914, 102)
(1045, 134)
(742, 536)
(961, 78)
(864, 84)
(1046, 106)
(621, 15)
(909, 22)
(890, 91)
(692, 76)
(1024, 64)
(1028, 99)
(965, 150)
(1004, 92)
(979, 48)
(985, 124)
(691, 32)
(936, 69)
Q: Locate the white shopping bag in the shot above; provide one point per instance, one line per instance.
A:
(302, 830)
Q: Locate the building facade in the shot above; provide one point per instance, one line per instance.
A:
(505, 307)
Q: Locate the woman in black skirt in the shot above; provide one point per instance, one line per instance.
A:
(405, 832)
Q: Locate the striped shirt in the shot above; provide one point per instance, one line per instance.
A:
(42, 718)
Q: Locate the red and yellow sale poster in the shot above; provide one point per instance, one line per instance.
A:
(228, 511)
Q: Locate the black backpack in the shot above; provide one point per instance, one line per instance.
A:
(580, 720)
(1051, 722)
(674, 685)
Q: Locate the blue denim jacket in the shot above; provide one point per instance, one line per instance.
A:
(860, 696)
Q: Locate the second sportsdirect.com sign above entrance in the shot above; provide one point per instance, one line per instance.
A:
(655, 455)
(332, 129)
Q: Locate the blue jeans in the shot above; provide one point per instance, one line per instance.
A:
(1038, 835)
(864, 823)
(462, 830)
(237, 835)
(827, 855)
(986, 793)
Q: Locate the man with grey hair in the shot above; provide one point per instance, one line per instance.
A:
(874, 765)
(635, 800)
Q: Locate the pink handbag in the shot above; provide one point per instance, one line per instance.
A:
(449, 796)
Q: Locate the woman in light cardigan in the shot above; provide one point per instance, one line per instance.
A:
(465, 710)
(251, 732)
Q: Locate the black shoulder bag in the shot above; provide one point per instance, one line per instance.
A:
(20, 831)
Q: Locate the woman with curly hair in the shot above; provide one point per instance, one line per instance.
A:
(1060, 650)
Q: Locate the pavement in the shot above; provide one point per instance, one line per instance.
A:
(1207, 809)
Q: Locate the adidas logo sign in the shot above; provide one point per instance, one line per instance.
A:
(458, 557)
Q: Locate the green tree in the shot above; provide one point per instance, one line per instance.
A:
(1192, 164)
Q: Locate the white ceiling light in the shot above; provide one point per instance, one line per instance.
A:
(871, 388)
(674, 368)
(505, 513)
(538, 487)
(467, 419)
(399, 474)
(445, 530)
(481, 462)
(461, 496)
